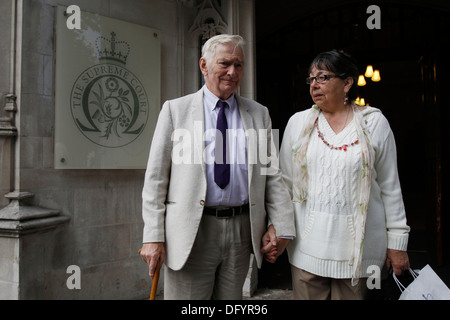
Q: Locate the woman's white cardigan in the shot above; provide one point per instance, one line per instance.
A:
(324, 222)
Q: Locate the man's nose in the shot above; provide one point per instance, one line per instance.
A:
(232, 70)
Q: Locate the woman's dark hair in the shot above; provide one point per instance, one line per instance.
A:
(340, 64)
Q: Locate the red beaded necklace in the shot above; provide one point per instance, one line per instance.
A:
(343, 147)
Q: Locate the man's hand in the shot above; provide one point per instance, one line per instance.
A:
(269, 244)
(153, 253)
(272, 247)
(398, 260)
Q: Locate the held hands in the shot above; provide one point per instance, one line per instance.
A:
(153, 253)
(398, 260)
(271, 246)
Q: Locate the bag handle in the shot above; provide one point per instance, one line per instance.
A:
(399, 284)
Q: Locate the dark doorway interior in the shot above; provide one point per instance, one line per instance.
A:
(411, 51)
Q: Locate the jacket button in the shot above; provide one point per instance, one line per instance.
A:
(202, 202)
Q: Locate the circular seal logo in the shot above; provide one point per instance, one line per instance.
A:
(108, 102)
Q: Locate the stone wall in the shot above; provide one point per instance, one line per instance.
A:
(104, 232)
(87, 218)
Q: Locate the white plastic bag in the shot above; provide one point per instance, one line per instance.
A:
(426, 286)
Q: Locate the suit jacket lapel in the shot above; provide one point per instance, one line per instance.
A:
(246, 117)
(198, 137)
(247, 122)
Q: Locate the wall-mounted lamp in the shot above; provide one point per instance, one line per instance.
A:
(369, 71)
(376, 76)
(361, 81)
(360, 101)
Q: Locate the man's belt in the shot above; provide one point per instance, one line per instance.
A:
(226, 212)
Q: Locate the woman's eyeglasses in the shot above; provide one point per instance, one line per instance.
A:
(321, 78)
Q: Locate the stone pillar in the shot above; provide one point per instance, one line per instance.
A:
(23, 246)
(23, 227)
(8, 132)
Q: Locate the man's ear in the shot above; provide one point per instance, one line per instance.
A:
(203, 66)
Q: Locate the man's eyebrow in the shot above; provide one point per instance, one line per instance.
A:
(229, 61)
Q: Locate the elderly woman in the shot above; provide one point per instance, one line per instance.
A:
(339, 161)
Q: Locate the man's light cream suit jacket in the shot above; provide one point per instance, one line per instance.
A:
(174, 191)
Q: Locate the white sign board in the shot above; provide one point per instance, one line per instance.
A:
(107, 92)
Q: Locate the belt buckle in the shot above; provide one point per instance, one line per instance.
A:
(224, 217)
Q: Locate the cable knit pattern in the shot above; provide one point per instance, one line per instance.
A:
(325, 226)
(330, 170)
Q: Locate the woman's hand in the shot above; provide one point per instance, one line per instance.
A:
(272, 247)
(398, 260)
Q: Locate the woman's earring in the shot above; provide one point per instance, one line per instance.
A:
(345, 100)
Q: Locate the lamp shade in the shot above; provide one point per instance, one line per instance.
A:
(376, 76)
(361, 81)
(369, 71)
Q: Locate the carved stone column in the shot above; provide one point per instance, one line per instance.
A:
(24, 228)
(8, 132)
(19, 218)
(21, 224)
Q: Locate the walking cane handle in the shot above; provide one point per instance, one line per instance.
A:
(155, 281)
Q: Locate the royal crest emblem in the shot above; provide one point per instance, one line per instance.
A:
(109, 104)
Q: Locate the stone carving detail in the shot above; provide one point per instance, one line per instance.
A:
(7, 127)
(208, 22)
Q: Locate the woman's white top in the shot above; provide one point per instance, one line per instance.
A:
(324, 222)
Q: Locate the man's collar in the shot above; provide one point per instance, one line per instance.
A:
(212, 98)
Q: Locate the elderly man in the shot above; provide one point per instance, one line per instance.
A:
(207, 200)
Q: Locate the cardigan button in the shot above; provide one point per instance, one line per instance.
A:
(202, 202)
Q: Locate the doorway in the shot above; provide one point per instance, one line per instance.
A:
(411, 52)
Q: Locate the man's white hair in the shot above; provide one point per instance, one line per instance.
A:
(209, 48)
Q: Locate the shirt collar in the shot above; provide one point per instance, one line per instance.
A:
(211, 99)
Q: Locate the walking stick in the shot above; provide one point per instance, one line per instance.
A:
(154, 282)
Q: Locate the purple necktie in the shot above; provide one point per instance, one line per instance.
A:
(221, 167)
